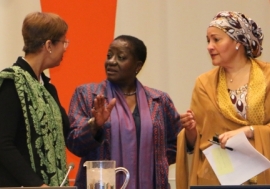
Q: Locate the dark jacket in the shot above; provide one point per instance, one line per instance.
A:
(15, 168)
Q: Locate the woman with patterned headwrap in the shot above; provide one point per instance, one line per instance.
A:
(229, 99)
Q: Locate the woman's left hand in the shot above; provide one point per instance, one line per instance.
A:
(224, 137)
(188, 120)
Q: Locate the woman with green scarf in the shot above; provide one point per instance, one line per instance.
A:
(32, 121)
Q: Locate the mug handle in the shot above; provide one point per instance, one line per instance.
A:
(118, 169)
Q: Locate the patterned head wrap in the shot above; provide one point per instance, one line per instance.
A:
(242, 29)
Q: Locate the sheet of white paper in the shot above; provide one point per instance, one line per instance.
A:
(237, 166)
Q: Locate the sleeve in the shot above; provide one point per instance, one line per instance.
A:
(173, 127)
(13, 165)
(182, 169)
(261, 139)
(204, 106)
(80, 140)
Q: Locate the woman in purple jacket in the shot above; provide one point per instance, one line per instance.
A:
(137, 127)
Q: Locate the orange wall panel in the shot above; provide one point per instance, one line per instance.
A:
(91, 29)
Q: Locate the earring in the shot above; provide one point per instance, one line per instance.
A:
(136, 72)
(237, 48)
(50, 51)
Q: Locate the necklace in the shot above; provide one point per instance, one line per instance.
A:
(232, 78)
(130, 94)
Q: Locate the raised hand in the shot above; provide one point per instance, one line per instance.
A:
(101, 112)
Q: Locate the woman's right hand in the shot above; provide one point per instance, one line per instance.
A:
(101, 112)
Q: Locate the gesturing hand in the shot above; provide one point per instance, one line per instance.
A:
(188, 120)
(189, 123)
(100, 111)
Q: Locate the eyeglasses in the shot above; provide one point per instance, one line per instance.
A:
(65, 42)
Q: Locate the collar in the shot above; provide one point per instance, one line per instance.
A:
(25, 66)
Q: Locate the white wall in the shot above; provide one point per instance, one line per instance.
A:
(12, 13)
(175, 34)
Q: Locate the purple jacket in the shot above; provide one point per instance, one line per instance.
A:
(166, 124)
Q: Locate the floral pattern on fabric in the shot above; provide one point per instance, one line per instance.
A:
(238, 98)
(42, 117)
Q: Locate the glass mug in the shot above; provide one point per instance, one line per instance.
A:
(101, 174)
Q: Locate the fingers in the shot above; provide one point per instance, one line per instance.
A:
(99, 102)
(189, 125)
(100, 105)
(188, 120)
(188, 115)
(223, 138)
(191, 112)
(111, 104)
